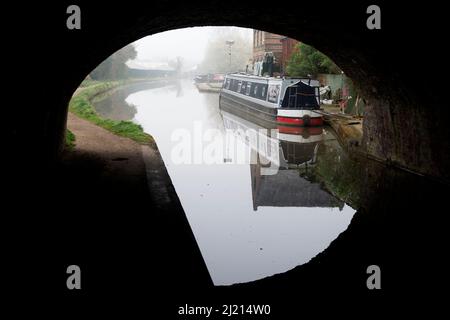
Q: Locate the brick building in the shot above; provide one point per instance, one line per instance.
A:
(281, 46)
(288, 47)
(266, 42)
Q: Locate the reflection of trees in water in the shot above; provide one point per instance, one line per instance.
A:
(337, 172)
(113, 105)
(179, 88)
(212, 109)
(175, 87)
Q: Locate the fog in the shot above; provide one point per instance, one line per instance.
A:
(189, 43)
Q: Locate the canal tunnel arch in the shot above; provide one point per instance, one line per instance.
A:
(405, 116)
(405, 119)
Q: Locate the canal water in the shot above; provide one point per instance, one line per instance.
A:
(260, 201)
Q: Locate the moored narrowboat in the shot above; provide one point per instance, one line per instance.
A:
(209, 82)
(285, 101)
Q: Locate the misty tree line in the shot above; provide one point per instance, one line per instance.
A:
(217, 58)
(114, 67)
(304, 61)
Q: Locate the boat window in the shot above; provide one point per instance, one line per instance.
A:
(274, 91)
(239, 86)
(255, 89)
(249, 86)
(235, 85)
(244, 85)
(227, 84)
(263, 93)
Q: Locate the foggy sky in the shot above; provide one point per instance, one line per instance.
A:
(189, 43)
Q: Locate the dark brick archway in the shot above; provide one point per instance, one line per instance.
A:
(406, 113)
(398, 68)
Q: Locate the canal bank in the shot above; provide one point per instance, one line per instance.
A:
(118, 188)
(348, 128)
(85, 96)
(114, 185)
(349, 132)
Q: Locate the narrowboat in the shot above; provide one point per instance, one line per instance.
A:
(209, 82)
(284, 101)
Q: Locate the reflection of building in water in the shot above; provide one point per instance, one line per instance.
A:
(288, 189)
(283, 187)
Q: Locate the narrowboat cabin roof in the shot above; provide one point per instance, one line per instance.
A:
(250, 77)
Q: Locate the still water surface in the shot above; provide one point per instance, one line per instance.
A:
(251, 219)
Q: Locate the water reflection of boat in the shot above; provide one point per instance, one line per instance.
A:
(275, 180)
(274, 147)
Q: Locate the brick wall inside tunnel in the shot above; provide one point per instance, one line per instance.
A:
(405, 112)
